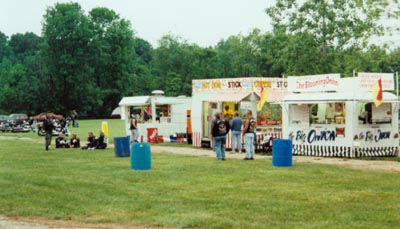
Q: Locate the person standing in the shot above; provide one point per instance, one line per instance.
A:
(236, 132)
(134, 129)
(248, 134)
(220, 128)
(74, 117)
(48, 126)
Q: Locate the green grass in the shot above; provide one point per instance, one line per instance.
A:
(115, 129)
(187, 191)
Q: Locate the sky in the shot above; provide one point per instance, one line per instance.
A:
(203, 22)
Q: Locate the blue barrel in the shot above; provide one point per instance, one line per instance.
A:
(282, 152)
(121, 146)
(140, 156)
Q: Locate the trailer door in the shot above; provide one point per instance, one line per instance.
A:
(206, 117)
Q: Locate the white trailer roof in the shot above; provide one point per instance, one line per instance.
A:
(146, 100)
(134, 101)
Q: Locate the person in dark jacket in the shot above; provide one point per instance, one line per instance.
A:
(91, 142)
(220, 127)
(61, 142)
(48, 126)
(75, 142)
(101, 144)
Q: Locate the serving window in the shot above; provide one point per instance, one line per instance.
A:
(141, 113)
(270, 114)
(368, 113)
(328, 113)
(299, 115)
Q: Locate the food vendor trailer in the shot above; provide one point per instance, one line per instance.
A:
(162, 116)
(326, 115)
(236, 94)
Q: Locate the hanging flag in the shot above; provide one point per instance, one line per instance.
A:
(263, 99)
(377, 93)
(104, 129)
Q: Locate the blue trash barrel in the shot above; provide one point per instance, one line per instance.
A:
(121, 146)
(282, 152)
(140, 156)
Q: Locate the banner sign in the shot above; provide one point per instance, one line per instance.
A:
(367, 80)
(314, 83)
(238, 84)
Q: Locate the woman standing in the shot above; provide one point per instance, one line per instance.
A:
(134, 129)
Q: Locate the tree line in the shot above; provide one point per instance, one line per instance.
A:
(88, 62)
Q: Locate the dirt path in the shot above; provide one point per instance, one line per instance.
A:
(374, 165)
(38, 223)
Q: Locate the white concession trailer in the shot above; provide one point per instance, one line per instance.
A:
(236, 94)
(166, 115)
(326, 115)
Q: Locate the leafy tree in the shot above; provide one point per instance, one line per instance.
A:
(335, 25)
(142, 69)
(67, 35)
(24, 45)
(4, 49)
(113, 59)
(241, 56)
(176, 57)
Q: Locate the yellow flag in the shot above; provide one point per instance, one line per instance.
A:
(104, 128)
(377, 93)
(263, 99)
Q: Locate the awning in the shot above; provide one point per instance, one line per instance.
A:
(233, 97)
(312, 98)
(134, 101)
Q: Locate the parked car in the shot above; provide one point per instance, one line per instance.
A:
(4, 118)
(42, 116)
(18, 118)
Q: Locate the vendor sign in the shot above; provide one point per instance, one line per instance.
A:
(238, 84)
(368, 80)
(313, 83)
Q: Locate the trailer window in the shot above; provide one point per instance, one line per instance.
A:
(328, 113)
(228, 109)
(163, 113)
(270, 114)
(138, 112)
(370, 114)
(299, 115)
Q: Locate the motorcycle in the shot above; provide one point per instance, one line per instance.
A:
(59, 127)
(12, 126)
(266, 144)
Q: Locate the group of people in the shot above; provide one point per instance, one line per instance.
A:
(62, 142)
(93, 142)
(220, 128)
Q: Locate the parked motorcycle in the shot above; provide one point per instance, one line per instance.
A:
(12, 126)
(60, 127)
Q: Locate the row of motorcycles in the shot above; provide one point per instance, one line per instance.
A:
(61, 126)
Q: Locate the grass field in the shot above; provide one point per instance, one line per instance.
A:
(187, 191)
(115, 126)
